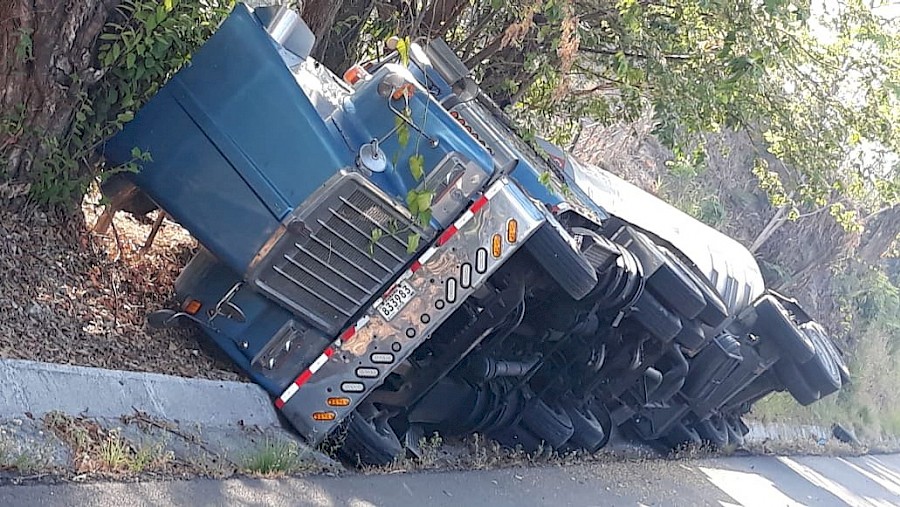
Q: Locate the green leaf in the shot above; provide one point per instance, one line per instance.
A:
(169, 5)
(417, 166)
(546, 179)
(402, 132)
(412, 242)
(374, 236)
(129, 60)
(424, 218)
(423, 200)
(135, 152)
(412, 202)
(403, 50)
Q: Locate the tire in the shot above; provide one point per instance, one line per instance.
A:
(790, 376)
(370, 442)
(713, 431)
(691, 335)
(833, 350)
(715, 312)
(589, 433)
(775, 323)
(670, 284)
(516, 435)
(656, 318)
(821, 372)
(680, 435)
(562, 262)
(549, 423)
(735, 436)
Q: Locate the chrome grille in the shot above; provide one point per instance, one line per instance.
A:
(329, 267)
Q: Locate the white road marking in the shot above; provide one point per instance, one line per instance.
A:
(749, 490)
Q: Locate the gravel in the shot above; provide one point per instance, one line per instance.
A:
(72, 296)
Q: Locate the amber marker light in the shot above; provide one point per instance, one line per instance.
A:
(496, 246)
(338, 401)
(354, 74)
(323, 416)
(192, 306)
(512, 230)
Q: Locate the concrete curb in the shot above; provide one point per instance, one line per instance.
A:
(38, 388)
(224, 418)
(761, 432)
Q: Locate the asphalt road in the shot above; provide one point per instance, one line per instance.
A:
(725, 482)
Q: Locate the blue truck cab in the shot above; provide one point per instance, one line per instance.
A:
(387, 255)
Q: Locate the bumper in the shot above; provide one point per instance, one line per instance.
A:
(443, 277)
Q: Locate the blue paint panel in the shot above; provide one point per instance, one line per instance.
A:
(432, 80)
(208, 280)
(367, 116)
(236, 145)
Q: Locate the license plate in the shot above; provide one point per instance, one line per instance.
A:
(391, 306)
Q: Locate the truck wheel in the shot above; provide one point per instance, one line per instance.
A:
(656, 318)
(714, 312)
(549, 423)
(821, 372)
(815, 327)
(713, 431)
(680, 435)
(370, 442)
(589, 433)
(671, 284)
(565, 265)
(789, 375)
(516, 435)
(691, 335)
(735, 437)
(775, 323)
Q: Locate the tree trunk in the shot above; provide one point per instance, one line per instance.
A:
(439, 17)
(320, 16)
(338, 51)
(881, 231)
(46, 60)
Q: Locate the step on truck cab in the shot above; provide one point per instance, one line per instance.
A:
(387, 257)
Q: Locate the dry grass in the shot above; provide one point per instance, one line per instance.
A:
(74, 297)
(97, 450)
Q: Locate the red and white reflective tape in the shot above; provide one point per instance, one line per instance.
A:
(303, 377)
(351, 331)
(320, 361)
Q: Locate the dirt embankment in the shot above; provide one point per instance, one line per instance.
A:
(74, 297)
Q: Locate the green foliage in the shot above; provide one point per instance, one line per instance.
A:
(546, 179)
(869, 297)
(819, 87)
(25, 46)
(403, 50)
(417, 166)
(275, 458)
(142, 45)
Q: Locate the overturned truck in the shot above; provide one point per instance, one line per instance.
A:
(387, 258)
